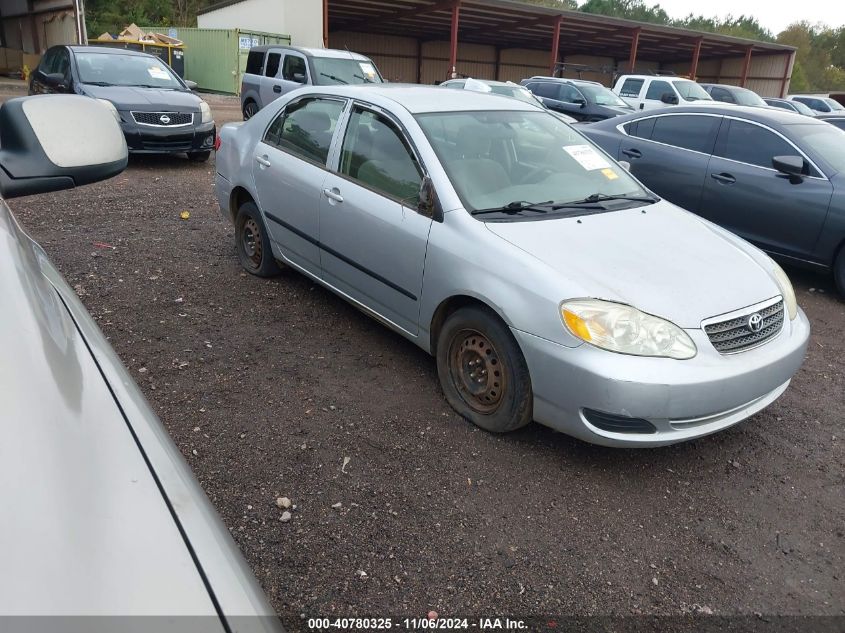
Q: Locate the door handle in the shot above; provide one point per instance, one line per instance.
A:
(642, 106)
(632, 153)
(333, 194)
(262, 160)
(725, 179)
(277, 88)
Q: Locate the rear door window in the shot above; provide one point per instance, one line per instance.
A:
(688, 131)
(254, 62)
(631, 88)
(641, 129)
(273, 60)
(752, 144)
(657, 88)
(306, 128)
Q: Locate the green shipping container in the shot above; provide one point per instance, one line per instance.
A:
(216, 58)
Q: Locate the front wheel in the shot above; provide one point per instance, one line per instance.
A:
(839, 272)
(250, 109)
(482, 371)
(253, 243)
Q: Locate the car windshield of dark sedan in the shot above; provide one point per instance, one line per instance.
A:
(748, 98)
(691, 91)
(110, 69)
(825, 140)
(509, 159)
(340, 70)
(602, 96)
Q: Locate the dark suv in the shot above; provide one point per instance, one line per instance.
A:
(157, 110)
(583, 100)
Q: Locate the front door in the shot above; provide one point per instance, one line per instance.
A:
(289, 167)
(743, 193)
(373, 238)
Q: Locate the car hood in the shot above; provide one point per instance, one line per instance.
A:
(657, 258)
(149, 99)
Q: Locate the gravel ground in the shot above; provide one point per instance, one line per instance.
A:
(282, 389)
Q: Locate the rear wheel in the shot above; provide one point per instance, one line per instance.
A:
(253, 243)
(482, 371)
(250, 109)
(839, 271)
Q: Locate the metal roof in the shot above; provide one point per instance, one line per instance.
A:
(513, 24)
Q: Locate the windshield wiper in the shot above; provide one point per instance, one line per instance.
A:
(333, 78)
(366, 80)
(512, 208)
(97, 83)
(600, 197)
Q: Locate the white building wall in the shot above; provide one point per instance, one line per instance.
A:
(301, 19)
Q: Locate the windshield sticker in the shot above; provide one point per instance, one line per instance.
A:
(368, 69)
(609, 174)
(157, 72)
(587, 157)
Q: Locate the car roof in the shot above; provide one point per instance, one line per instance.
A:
(418, 99)
(566, 80)
(108, 50)
(767, 116)
(487, 82)
(726, 86)
(312, 52)
(663, 77)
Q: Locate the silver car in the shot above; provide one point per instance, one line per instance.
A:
(549, 284)
(101, 514)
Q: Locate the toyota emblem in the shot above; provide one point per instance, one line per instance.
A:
(755, 322)
(164, 119)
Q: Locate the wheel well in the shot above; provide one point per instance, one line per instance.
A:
(446, 309)
(237, 199)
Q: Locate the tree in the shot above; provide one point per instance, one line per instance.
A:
(630, 9)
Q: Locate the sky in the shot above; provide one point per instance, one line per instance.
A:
(775, 16)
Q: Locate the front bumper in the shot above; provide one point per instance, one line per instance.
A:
(682, 399)
(148, 139)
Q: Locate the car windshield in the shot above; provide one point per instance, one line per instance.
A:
(834, 104)
(496, 158)
(340, 70)
(115, 69)
(691, 91)
(802, 108)
(825, 140)
(602, 96)
(747, 97)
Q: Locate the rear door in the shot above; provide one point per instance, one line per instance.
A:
(743, 193)
(289, 169)
(269, 86)
(373, 238)
(670, 154)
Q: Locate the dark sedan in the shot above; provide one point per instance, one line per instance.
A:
(158, 112)
(773, 177)
(837, 119)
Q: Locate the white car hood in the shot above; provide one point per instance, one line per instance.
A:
(657, 258)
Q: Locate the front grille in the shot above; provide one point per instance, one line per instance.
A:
(736, 333)
(179, 145)
(171, 119)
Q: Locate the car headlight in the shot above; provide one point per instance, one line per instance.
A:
(205, 109)
(786, 290)
(620, 328)
(111, 108)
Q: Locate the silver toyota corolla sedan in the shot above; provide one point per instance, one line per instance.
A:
(549, 284)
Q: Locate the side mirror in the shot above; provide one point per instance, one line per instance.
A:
(56, 80)
(191, 84)
(300, 78)
(669, 98)
(625, 165)
(795, 167)
(428, 204)
(55, 142)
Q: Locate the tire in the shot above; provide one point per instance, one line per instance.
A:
(250, 109)
(482, 371)
(198, 157)
(253, 243)
(839, 272)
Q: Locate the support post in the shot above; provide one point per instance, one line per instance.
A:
(787, 74)
(693, 71)
(635, 42)
(453, 42)
(325, 23)
(497, 71)
(746, 64)
(555, 44)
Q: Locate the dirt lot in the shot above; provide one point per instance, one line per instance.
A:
(268, 387)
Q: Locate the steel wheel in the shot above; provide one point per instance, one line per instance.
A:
(476, 371)
(251, 243)
(250, 110)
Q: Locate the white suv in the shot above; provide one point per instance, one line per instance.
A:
(645, 92)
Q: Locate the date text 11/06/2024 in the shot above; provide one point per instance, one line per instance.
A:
(435, 623)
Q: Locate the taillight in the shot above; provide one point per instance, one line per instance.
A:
(216, 143)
